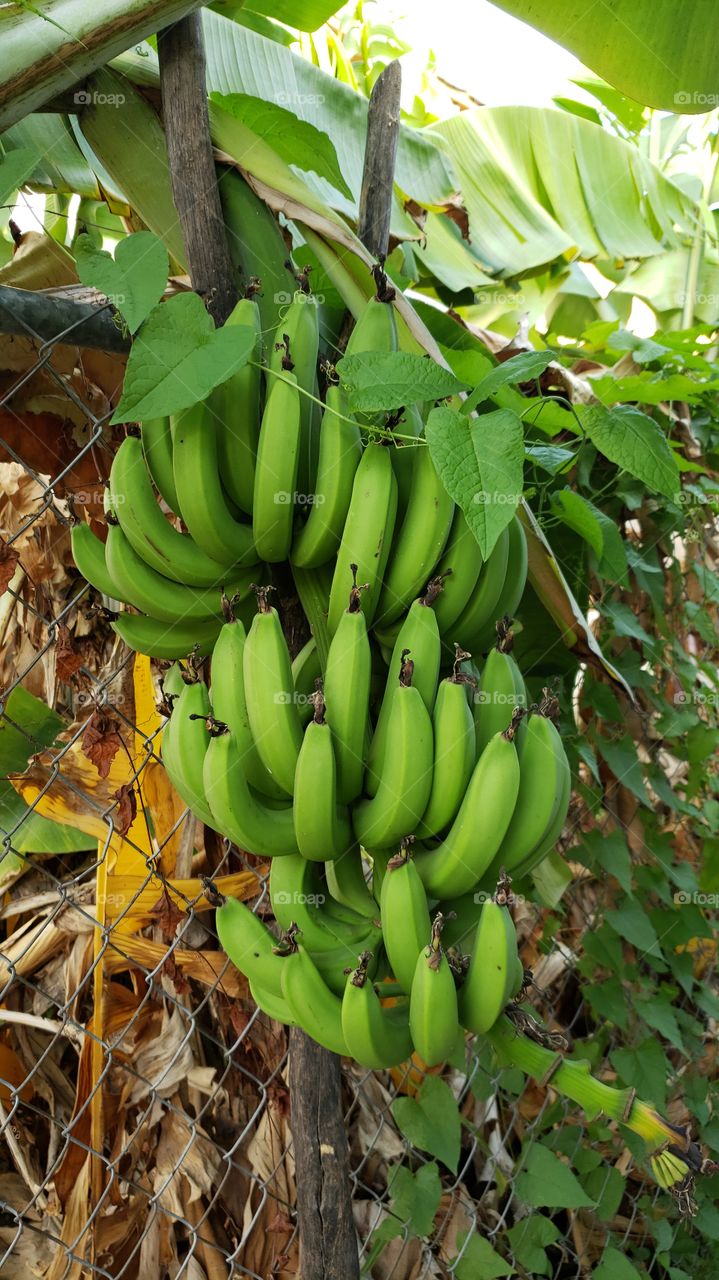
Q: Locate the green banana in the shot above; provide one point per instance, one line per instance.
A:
(274, 1006)
(184, 746)
(166, 639)
(250, 945)
(456, 865)
(405, 916)
(554, 830)
(273, 503)
(375, 1037)
(500, 693)
(406, 779)
(270, 695)
(375, 330)
(156, 595)
(367, 535)
(322, 827)
(458, 570)
(242, 815)
(340, 451)
(229, 706)
(295, 346)
(132, 500)
(306, 671)
(203, 504)
(419, 541)
(481, 608)
(347, 885)
(515, 580)
(433, 1012)
(256, 244)
(541, 759)
(313, 1005)
(454, 754)
(492, 973)
(419, 637)
(298, 894)
(88, 552)
(235, 405)
(348, 676)
(157, 448)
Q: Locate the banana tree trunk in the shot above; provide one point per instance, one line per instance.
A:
(45, 52)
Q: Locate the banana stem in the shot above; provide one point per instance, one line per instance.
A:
(313, 589)
(574, 1079)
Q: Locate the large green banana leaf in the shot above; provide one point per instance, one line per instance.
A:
(46, 50)
(663, 53)
(539, 183)
(305, 15)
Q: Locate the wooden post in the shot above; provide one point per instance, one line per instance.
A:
(192, 167)
(375, 206)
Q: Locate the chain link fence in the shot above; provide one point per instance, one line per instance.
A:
(144, 1107)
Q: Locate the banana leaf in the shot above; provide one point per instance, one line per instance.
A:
(45, 51)
(662, 55)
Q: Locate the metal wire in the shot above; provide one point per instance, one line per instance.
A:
(194, 1163)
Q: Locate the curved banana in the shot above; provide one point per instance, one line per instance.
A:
(367, 535)
(375, 330)
(339, 456)
(157, 447)
(492, 973)
(270, 695)
(242, 815)
(541, 773)
(185, 741)
(236, 407)
(314, 1006)
(501, 691)
(554, 830)
(376, 1037)
(166, 639)
(419, 637)
(433, 1013)
(348, 678)
(458, 570)
(88, 552)
(419, 541)
(456, 865)
(203, 504)
(156, 595)
(250, 945)
(295, 346)
(481, 608)
(322, 826)
(273, 500)
(515, 580)
(347, 885)
(132, 500)
(406, 778)
(454, 754)
(229, 706)
(298, 894)
(405, 916)
(274, 1006)
(306, 671)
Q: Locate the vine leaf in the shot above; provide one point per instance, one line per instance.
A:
(133, 281)
(481, 463)
(391, 379)
(635, 442)
(431, 1121)
(178, 357)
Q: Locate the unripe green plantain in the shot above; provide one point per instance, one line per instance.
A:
(405, 916)
(433, 1014)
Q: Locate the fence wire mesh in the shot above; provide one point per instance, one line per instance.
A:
(144, 1105)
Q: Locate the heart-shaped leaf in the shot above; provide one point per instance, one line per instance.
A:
(178, 357)
(390, 379)
(134, 280)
